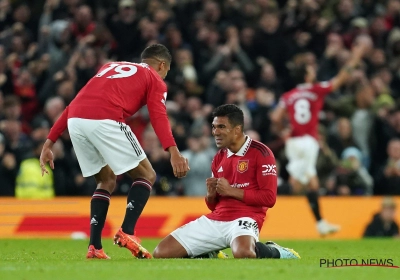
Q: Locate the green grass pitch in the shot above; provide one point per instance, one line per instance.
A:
(65, 259)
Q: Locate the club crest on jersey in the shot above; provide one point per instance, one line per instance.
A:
(243, 165)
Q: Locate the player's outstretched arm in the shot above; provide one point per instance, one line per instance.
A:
(361, 46)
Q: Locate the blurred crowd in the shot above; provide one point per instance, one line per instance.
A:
(232, 51)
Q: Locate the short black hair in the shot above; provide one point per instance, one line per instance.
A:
(232, 112)
(157, 51)
(299, 73)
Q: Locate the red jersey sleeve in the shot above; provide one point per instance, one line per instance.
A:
(156, 98)
(210, 206)
(267, 181)
(59, 126)
(322, 88)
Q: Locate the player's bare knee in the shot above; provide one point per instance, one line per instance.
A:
(244, 254)
(158, 253)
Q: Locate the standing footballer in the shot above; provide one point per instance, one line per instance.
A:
(302, 105)
(242, 188)
(105, 146)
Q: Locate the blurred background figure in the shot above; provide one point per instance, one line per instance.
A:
(389, 176)
(200, 153)
(327, 161)
(351, 177)
(30, 184)
(8, 169)
(383, 223)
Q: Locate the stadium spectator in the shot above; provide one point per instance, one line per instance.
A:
(29, 182)
(165, 183)
(183, 73)
(8, 169)
(327, 160)
(342, 138)
(269, 80)
(122, 23)
(383, 223)
(389, 175)
(200, 154)
(351, 177)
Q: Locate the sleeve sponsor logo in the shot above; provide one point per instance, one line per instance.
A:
(269, 169)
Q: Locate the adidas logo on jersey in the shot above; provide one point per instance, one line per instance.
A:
(93, 221)
(221, 169)
(130, 206)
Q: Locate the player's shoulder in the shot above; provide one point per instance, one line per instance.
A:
(260, 148)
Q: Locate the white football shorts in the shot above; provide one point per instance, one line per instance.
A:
(101, 142)
(204, 235)
(302, 153)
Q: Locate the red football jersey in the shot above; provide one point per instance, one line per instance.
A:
(303, 105)
(117, 92)
(252, 169)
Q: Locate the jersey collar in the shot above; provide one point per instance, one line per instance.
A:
(243, 150)
(304, 86)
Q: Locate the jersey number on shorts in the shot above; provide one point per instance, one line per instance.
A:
(123, 70)
(302, 113)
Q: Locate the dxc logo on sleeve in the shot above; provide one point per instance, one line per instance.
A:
(269, 169)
